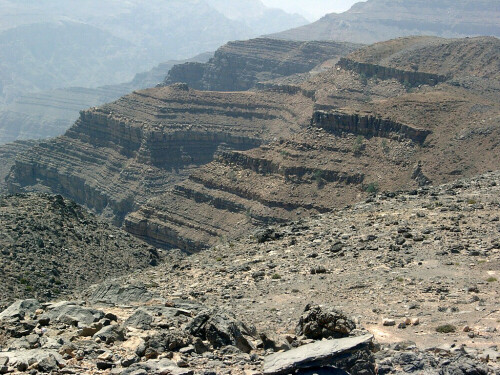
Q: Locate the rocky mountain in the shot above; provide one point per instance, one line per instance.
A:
(119, 39)
(378, 20)
(287, 151)
(50, 113)
(48, 46)
(401, 283)
(139, 145)
(240, 65)
(51, 246)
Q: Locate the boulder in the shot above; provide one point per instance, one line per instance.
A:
(333, 353)
(111, 334)
(320, 322)
(140, 319)
(221, 329)
(71, 313)
(19, 309)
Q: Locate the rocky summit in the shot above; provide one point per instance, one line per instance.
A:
(401, 283)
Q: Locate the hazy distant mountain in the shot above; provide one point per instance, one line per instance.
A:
(47, 44)
(55, 55)
(255, 15)
(50, 113)
(45, 56)
(378, 20)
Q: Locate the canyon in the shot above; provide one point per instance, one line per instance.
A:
(184, 168)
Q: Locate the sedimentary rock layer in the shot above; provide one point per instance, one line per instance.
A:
(366, 125)
(253, 157)
(118, 155)
(239, 66)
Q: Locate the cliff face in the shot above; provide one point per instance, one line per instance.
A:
(118, 155)
(366, 125)
(239, 66)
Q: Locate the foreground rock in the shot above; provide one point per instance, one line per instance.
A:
(321, 353)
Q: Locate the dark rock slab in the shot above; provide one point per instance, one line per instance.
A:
(313, 355)
(119, 294)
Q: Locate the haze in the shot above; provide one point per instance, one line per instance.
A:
(311, 9)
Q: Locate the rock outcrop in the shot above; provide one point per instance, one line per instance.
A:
(51, 246)
(239, 66)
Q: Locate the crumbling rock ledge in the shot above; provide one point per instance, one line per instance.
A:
(366, 125)
(384, 72)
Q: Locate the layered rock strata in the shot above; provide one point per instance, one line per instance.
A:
(118, 155)
(239, 66)
(307, 174)
(368, 134)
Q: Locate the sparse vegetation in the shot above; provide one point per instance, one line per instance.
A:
(385, 147)
(318, 177)
(446, 328)
(371, 188)
(363, 78)
(491, 279)
(232, 176)
(276, 276)
(358, 145)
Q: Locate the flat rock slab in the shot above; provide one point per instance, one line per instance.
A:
(315, 354)
(31, 356)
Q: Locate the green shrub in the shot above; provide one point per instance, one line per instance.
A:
(371, 188)
(358, 145)
(276, 276)
(446, 328)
